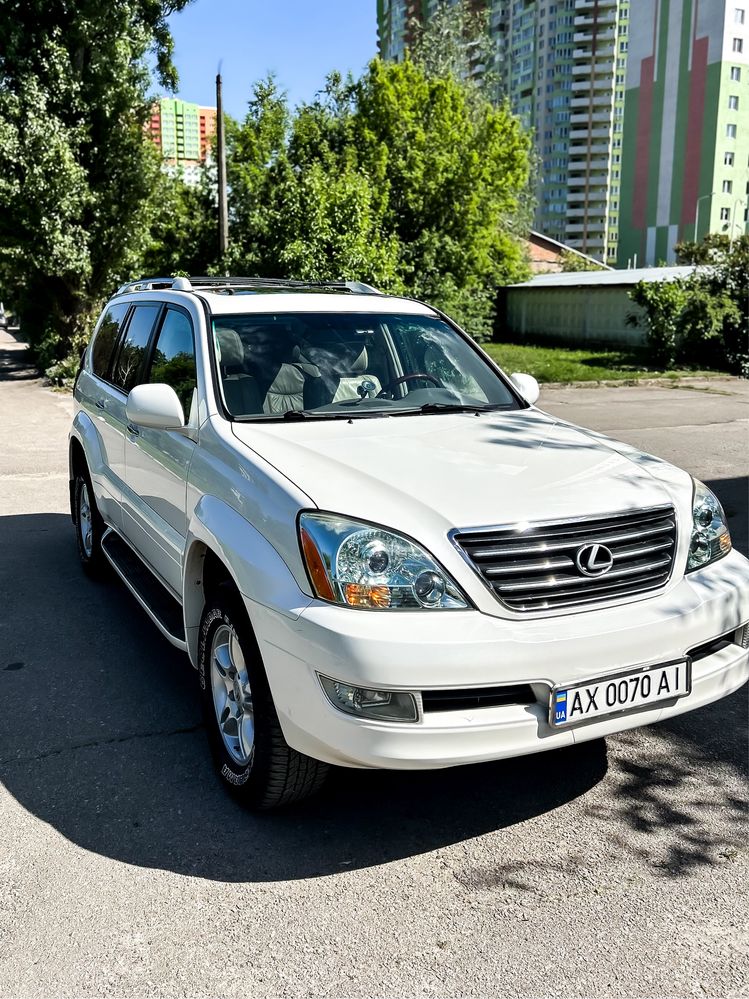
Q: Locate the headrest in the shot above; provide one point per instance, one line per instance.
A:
(358, 365)
(340, 359)
(230, 347)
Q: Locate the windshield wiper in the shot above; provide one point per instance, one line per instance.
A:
(345, 414)
(442, 407)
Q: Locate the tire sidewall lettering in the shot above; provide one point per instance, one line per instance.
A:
(212, 619)
(214, 615)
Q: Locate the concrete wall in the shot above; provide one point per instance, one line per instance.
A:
(583, 314)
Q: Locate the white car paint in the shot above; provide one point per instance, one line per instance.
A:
(237, 489)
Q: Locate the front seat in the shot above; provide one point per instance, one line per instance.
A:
(343, 370)
(241, 393)
(354, 382)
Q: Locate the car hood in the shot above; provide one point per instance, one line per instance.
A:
(458, 471)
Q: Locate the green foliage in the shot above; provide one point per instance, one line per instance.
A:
(182, 232)
(400, 179)
(76, 168)
(410, 178)
(690, 321)
(727, 281)
(663, 303)
(453, 42)
(575, 262)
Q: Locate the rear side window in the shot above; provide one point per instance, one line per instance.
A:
(173, 360)
(129, 361)
(106, 338)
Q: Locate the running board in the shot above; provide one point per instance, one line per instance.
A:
(163, 609)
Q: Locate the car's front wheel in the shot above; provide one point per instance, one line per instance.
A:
(252, 757)
(89, 526)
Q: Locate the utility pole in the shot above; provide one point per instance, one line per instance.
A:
(223, 210)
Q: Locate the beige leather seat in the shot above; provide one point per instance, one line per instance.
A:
(343, 371)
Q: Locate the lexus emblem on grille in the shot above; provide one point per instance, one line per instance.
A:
(594, 560)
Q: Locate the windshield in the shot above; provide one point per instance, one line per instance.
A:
(327, 365)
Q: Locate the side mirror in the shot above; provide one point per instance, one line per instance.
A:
(527, 386)
(155, 406)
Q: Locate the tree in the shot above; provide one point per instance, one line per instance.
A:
(572, 261)
(693, 321)
(402, 180)
(182, 233)
(452, 174)
(456, 42)
(725, 280)
(77, 170)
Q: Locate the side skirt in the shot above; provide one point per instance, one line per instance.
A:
(154, 598)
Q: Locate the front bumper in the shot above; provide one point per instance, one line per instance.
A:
(461, 649)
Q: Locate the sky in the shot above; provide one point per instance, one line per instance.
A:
(301, 41)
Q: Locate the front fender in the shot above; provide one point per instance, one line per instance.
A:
(258, 570)
(84, 431)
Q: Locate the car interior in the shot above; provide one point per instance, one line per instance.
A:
(277, 364)
(280, 367)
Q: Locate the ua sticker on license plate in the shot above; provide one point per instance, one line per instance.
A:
(636, 688)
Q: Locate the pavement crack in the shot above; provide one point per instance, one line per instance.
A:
(94, 743)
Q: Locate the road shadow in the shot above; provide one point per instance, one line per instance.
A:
(733, 493)
(15, 363)
(102, 739)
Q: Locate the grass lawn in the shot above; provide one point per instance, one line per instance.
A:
(587, 364)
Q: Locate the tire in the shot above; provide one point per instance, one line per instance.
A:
(252, 758)
(89, 526)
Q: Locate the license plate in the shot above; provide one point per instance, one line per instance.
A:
(636, 688)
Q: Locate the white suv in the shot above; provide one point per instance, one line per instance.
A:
(373, 547)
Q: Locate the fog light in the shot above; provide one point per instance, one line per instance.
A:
(366, 702)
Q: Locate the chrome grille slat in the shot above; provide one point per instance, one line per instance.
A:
(535, 569)
(546, 547)
(545, 564)
(556, 581)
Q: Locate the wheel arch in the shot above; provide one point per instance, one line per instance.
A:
(223, 547)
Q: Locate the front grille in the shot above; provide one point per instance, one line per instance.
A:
(463, 699)
(535, 569)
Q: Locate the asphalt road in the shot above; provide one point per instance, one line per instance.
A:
(615, 869)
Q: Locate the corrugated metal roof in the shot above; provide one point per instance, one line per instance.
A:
(576, 279)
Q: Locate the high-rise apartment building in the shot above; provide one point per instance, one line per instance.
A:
(183, 133)
(562, 64)
(685, 163)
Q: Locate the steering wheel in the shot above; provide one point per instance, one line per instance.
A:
(406, 378)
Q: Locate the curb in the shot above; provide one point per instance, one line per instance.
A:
(656, 381)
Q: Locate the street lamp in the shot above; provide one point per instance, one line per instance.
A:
(737, 202)
(697, 214)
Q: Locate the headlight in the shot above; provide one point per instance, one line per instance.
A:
(710, 536)
(361, 565)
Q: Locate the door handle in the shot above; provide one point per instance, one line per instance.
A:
(133, 430)
(100, 404)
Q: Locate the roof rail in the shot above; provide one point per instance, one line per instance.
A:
(260, 283)
(152, 284)
(232, 284)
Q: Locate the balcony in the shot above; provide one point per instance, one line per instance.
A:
(592, 148)
(602, 117)
(598, 196)
(597, 83)
(602, 69)
(589, 19)
(598, 101)
(587, 134)
(591, 227)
